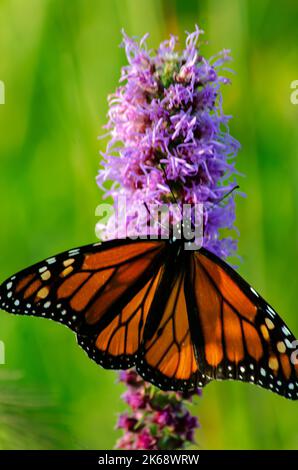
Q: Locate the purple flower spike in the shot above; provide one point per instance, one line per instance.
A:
(129, 377)
(157, 420)
(169, 142)
(135, 399)
(126, 423)
(163, 417)
(145, 440)
(169, 134)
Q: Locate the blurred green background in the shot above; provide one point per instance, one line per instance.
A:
(59, 59)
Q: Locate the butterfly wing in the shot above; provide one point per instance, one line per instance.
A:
(130, 305)
(84, 288)
(151, 332)
(237, 335)
(117, 344)
(167, 356)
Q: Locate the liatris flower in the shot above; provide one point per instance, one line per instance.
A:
(157, 420)
(169, 136)
(169, 142)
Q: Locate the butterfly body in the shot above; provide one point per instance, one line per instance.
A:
(181, 317)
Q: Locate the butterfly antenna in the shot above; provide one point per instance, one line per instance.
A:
(227, 194)
(147, 208)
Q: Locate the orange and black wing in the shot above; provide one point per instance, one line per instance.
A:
(85, 288)
(116, 345)
(167, 357)
(152, 333)
(237, 335)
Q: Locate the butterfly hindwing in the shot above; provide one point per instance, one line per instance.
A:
(167, 357)
(237, 335)
(116, 346)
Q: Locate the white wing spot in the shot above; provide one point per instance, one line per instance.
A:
(285, 330)
(263, 372)
(270, 311)
(289, 344)
(74, 252)
(51, 260)
(9, 285)
(254, 292)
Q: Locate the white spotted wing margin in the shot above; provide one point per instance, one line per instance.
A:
(65, 287)
(237, 334)
(86, 288)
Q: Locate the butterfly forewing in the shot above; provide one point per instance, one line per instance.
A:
(237, 335)
(83, 287)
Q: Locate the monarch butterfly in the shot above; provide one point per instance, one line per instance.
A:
(182, 318)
